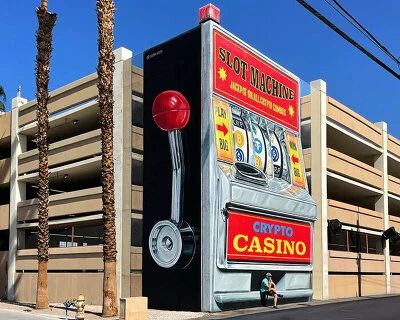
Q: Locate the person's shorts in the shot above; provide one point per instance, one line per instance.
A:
(270, 292)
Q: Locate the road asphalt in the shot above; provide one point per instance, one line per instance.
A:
(374, 308)
(363, 309)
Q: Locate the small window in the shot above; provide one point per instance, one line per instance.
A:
(136, 232)
(88, 235)
(394, 248)
(363, 243)
(4, 236)
(337, 241)
(61, 237)
(353, 241)
(66, 236)
(30, 240)
(374, 244)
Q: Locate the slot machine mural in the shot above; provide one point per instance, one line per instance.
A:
(225, 191)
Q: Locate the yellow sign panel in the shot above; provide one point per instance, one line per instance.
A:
(295, 159)
(223, 130)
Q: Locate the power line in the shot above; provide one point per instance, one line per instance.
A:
(347, 38)
(362, 29)
(350, 21)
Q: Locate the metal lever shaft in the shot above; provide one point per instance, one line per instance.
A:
(178, 175)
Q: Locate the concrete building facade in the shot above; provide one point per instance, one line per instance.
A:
(75, 219)
(353, 169)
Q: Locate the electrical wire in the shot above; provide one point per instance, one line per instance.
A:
(350, 21)
(347, 38)
(366, 32)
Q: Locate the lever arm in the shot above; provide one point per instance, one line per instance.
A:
(178, 175)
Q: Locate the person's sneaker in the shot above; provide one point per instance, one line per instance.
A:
(275, 307)
(280, 295)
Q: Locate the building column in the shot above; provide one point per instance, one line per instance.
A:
(17, 194)
(319, 188)
(122, 166)
(382, 202)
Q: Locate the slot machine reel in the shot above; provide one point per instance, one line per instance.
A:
(276, 153)
(285, 155)
(245, 167)
(241, 136)
(261, 145)
(280, 158)
(172, 243)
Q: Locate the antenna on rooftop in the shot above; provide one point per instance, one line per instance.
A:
(19, 92)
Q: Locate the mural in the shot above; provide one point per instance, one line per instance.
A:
(225, 191)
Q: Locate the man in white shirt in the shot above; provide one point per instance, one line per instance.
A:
(268, 287)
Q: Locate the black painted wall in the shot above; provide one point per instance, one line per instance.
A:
(174, 65)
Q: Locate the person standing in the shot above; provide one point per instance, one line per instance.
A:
(268, 287)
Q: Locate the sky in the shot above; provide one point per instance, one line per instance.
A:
(281, 29)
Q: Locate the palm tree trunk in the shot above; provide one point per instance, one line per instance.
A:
(105, 68)
(44, 48)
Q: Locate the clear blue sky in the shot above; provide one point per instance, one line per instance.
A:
(283, 30)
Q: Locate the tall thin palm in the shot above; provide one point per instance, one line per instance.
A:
(47, 21)
(105, 68)
(3, 99)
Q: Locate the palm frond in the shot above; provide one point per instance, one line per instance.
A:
(2, 94)
(3, 99)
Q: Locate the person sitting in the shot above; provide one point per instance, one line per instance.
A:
(268, 287)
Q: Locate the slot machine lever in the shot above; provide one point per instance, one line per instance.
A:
(178, 175)
(173, 242)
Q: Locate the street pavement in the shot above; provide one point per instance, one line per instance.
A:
(371, 308)
(375, 308)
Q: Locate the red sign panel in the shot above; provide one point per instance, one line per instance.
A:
(249, 80)
(263, 239)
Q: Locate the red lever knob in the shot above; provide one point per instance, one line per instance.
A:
(171, 110)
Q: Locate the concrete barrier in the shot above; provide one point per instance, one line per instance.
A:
(133, 308)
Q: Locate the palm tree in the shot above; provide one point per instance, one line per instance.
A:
(3, 99)
(47, 21)
(105, 68)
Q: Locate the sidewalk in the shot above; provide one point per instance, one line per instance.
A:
(57, 311)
